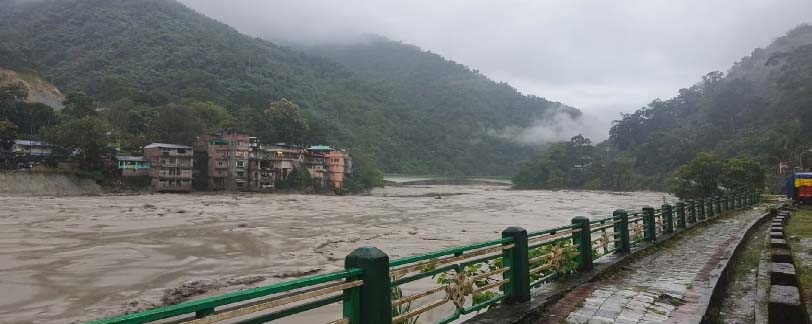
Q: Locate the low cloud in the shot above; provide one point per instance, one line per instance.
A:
(553, 127)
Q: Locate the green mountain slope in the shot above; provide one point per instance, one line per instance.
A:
(760, 109)
(760, 112)
(156, 52)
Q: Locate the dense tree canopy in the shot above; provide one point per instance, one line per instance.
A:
(412, 111)
(708, 176)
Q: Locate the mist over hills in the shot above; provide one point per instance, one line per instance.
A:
(412, 111)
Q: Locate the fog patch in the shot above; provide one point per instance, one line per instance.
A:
(554, 127)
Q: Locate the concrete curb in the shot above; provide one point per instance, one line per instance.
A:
(785, 304)
(723, 275)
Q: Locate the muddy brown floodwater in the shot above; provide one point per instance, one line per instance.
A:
(69, 259)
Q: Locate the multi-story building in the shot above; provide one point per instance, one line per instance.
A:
(285, 158)
(260, 167)
(171, 166)
(316, 163)
(336, 162)
(227, 157)
(336, 168)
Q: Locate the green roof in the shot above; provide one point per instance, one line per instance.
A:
(320, 148)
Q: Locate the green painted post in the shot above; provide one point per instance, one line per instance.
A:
(375, 296)
(738, 201)
(681, 215)
(711, 210)
(727, 203)
(517, 258)
(668, 217)
(204, 312)
(583, 239)
(650, 224)
(718, 206)
(621, 220)
(701, 210)
(692, 211)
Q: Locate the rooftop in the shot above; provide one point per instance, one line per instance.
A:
(163, 145)
(30, 143)
(320, 148)
(131, 158)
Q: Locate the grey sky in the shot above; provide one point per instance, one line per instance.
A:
(601, 56)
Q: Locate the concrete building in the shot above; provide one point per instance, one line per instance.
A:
(316, 163)
(260, 167)
(32, 148)
(336, 162)
(227, 156)
(171, 166)
(337, 168)
(133, 166)
(285, 158)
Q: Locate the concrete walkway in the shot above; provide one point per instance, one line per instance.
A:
(671, 285)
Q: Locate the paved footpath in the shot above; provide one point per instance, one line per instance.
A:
(672, 285)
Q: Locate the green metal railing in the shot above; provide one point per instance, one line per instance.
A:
(374, 290)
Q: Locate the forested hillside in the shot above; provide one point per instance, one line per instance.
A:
(759, 112)
(156, 61)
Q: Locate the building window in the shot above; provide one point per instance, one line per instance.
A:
(219, 163)
(240, 164)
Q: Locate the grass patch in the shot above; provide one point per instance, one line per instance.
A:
(800, 226)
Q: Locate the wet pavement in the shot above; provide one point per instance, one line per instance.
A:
(671, 285)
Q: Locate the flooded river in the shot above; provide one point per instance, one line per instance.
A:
(67, 259)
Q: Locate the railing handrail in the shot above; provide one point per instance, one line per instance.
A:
(229, 298)
(367, 282)
(449, 251)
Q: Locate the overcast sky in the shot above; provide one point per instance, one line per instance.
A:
(602, 56)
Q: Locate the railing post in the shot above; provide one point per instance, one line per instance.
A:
(711, 209)
(621, 220)
(738, 199)
(583, 239)
(681, 215)
(718, 206)
(692, 210)
(375, 295)
(668, 217)
(649, 223)
(517, 258)
(727, 203)
(701, 210)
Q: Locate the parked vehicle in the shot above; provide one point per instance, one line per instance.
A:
(799, 187)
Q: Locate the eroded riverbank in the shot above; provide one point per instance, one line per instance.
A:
(69, 259)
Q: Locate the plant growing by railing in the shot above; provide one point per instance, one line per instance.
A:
(397, 310)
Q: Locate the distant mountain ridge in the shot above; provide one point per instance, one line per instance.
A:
(413, 112)
(759, 109)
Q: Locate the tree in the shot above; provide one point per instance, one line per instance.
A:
(8, 132)
(14, 92)
(88, 136)
(298, 179)
(79, 105)
(287, 122)
(742, 174)
(699, 178)
(365, 174)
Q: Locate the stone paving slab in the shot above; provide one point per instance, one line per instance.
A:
(671, 285)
